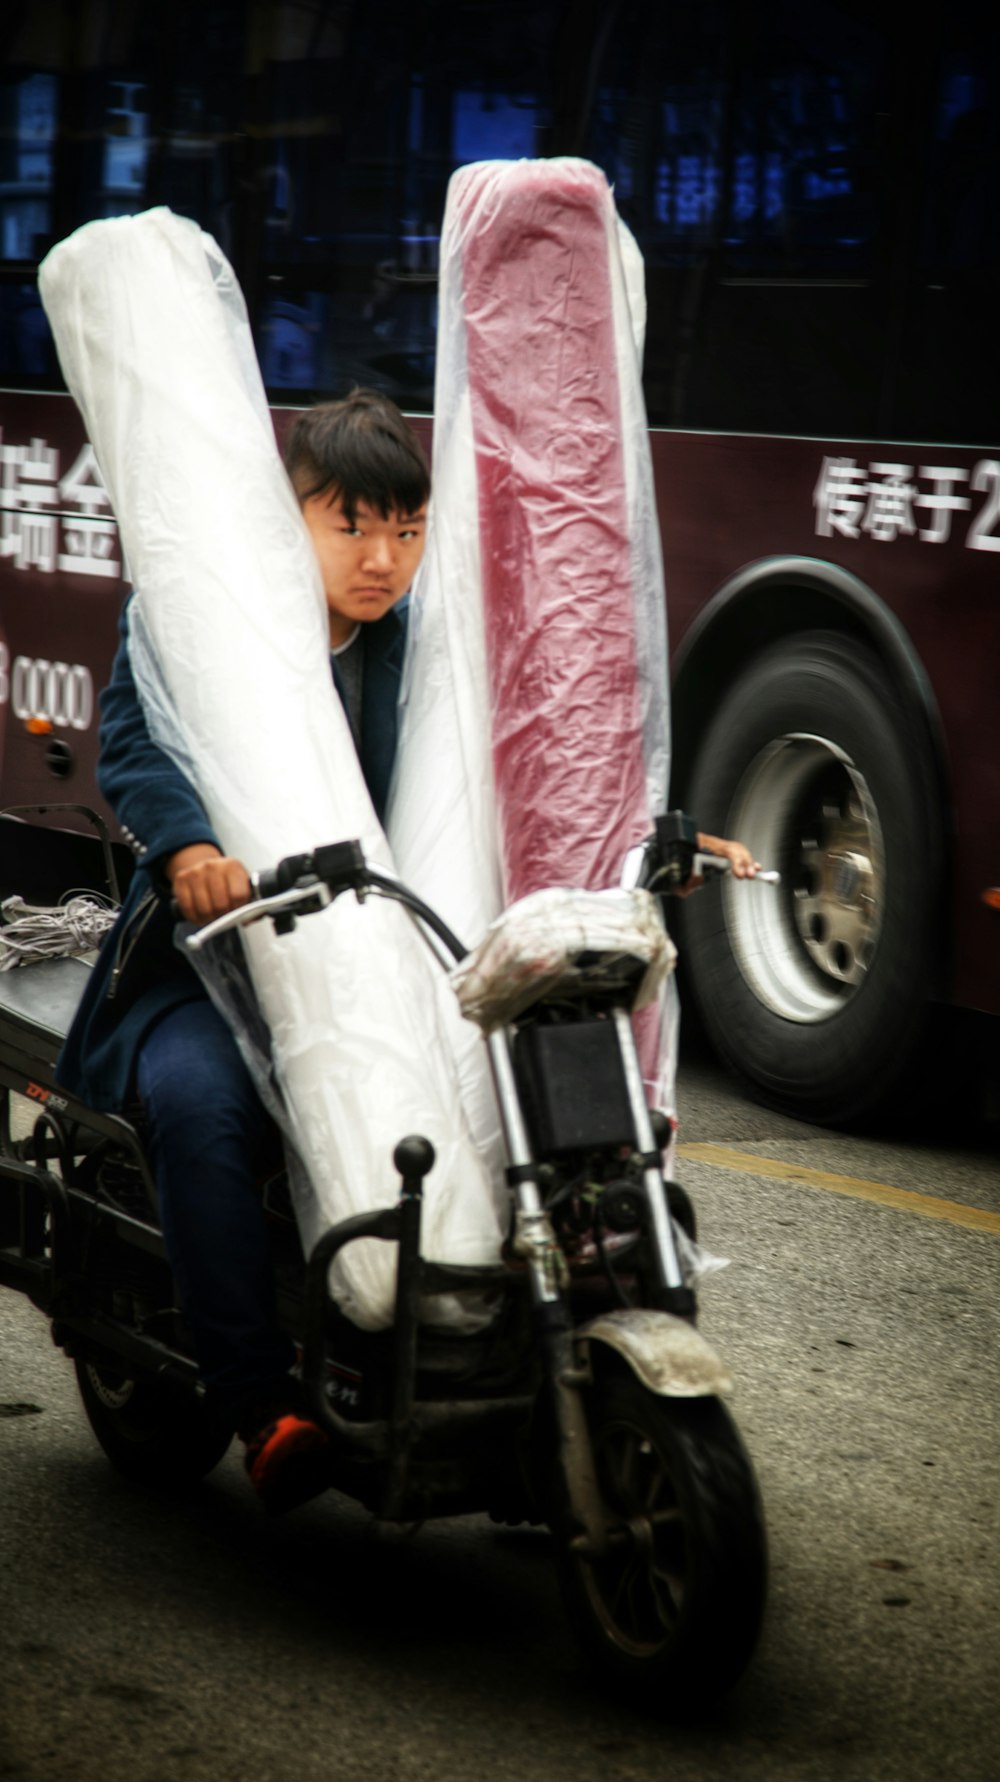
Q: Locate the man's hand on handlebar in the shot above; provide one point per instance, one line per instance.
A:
(742, 864)
(205, 883)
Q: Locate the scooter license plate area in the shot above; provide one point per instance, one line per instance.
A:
(571, 1082)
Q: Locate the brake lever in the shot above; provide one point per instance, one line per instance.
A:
(704, 864)
(278, 905)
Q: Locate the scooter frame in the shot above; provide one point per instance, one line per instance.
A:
(415, 1455)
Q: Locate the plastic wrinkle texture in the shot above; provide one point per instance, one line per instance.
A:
(533, 951)
(534, 747)
(231, 653)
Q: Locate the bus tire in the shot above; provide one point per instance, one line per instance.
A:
(814, 991)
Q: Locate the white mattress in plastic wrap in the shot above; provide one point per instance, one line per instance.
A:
(232, 656)
(534, 745)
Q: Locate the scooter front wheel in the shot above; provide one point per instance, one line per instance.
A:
(671, 1611)
(151, 1433)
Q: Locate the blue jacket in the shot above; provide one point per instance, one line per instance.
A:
(139, 973)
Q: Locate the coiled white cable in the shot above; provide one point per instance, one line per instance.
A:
(31, 932)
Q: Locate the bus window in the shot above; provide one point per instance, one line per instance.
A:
(949, 382)
(27, 142)
(361, 131)
(745, 154)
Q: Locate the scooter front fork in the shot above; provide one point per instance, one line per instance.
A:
(536, 1242)
(534, 1238)
(670, 1294)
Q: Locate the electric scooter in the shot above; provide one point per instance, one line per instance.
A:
(589, 1400)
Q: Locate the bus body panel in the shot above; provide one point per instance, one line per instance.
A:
(725, 502)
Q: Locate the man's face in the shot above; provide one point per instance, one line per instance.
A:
(366, 567)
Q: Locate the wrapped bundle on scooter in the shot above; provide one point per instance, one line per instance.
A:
(535, 736)
(231, 654)
(559, 945)
(559, 963)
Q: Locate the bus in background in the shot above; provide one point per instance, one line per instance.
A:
(815, 193)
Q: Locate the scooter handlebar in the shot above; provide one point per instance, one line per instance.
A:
(341, 866)
(704, 864)
(670, 858)
(303, 883)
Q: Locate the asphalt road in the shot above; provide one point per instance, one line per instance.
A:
(149, 1640)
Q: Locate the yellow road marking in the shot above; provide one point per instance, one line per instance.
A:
(903, 1200)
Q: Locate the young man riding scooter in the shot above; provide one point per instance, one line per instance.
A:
(146, 1027)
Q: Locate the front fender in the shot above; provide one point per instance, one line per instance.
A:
(666, 1353)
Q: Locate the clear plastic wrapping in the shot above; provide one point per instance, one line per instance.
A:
(561, 944)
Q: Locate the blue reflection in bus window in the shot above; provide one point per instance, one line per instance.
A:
(745, 196)
(961, 93)
(35, 127)
(24, 221)
(288, 344)
(26, 167)
(126, 147)
(697, 190)
(832, 184)
(278, 178)
(492, 127)
(793, 194)
(624, 184)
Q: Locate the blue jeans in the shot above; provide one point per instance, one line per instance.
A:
(208, 1136)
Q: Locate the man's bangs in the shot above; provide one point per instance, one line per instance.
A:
(384, 476)
(361, 451)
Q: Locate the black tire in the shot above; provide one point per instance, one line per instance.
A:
(815, 991)
(152, 1434)
(671, 1615)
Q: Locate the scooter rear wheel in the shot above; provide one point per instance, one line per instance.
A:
(672, 1611)
(151, 1434)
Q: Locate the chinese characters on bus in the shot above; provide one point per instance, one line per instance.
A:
(51, 522)
(888, 501)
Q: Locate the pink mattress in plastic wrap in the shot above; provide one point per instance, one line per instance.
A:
(535, 737)
(554, 526)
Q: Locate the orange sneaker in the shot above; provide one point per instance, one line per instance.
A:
(288, 1461)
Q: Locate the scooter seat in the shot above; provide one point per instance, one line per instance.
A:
(45, 995)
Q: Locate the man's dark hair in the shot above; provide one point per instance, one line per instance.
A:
(360, 450)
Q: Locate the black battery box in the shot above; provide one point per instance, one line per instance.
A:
(571, 1082)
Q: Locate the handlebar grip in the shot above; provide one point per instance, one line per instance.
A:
(341, 865)
(282, 877)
